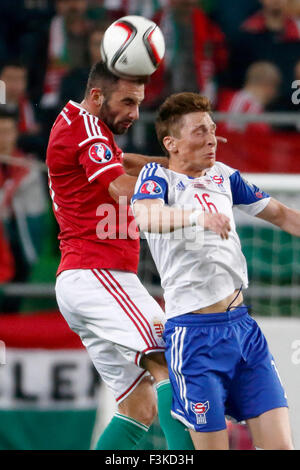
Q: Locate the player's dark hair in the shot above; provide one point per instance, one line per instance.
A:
(101, 77)
(173, 108)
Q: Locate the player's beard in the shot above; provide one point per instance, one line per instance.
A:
(108, 117)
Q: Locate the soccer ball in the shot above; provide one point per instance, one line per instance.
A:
(132, 46)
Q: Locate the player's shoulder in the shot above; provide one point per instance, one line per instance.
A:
(85, 127)
(152, 170)
(221, 169)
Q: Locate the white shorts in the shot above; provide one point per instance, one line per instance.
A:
(117, 320)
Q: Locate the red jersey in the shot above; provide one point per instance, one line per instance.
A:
(257, 24)
(83, 159)
(7, 265)
(241, 101)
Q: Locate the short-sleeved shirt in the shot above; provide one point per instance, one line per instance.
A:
(198, 268)
(83, 159)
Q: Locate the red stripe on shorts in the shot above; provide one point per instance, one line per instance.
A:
(139, 313)
(112, 290)
(135, 383)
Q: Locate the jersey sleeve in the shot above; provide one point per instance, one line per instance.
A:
(246, 196)
(101, 162)
(151, 184)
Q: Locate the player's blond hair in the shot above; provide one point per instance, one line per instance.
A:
(173, 109)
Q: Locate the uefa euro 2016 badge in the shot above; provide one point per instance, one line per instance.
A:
(200, 409)
(151, 187)
(100, 153)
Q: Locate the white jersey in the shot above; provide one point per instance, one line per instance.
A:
(198, 268)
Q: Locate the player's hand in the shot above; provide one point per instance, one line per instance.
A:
(218, 223)
(221, 139)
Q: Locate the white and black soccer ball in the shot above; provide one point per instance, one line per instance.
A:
(133, 46)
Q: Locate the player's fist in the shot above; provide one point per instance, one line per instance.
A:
(218, 223)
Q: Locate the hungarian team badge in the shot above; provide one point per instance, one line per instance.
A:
(158, 327)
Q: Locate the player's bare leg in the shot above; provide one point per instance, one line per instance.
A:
(139, 410)
(156, 364)
(271, 430)
(131, 423)
(217, 440)
(141, 403)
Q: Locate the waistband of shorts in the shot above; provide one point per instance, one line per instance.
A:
(210, 318)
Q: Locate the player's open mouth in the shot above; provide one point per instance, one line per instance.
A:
(127, 124)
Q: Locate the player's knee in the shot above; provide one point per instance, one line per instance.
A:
(281, 445)
(144, 411)
(141, 403)
(148, 413)
(145, 408)
(285, 446)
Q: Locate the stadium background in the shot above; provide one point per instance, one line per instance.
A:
(50, 396)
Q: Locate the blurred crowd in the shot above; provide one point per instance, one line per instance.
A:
(243, 55)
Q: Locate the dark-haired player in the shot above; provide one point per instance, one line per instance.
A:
(97, 289)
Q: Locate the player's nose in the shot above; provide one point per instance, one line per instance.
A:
(212, 140)
(134, 113)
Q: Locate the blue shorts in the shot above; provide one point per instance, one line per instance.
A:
(219, 364)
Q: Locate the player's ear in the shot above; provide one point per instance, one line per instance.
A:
(97, 96)
(170, 143)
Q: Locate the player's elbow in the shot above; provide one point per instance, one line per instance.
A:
(282, 217)
(276, 213)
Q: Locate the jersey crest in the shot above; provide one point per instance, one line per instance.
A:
(158, 327)
(100, 153)
(218, 179)
(200, 409)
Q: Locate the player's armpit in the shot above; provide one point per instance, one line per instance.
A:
(133, 163)
(121, 189)
(284, 217)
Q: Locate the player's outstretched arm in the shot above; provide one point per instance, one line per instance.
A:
(152, 216)
(133, 162)
(284, 217)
